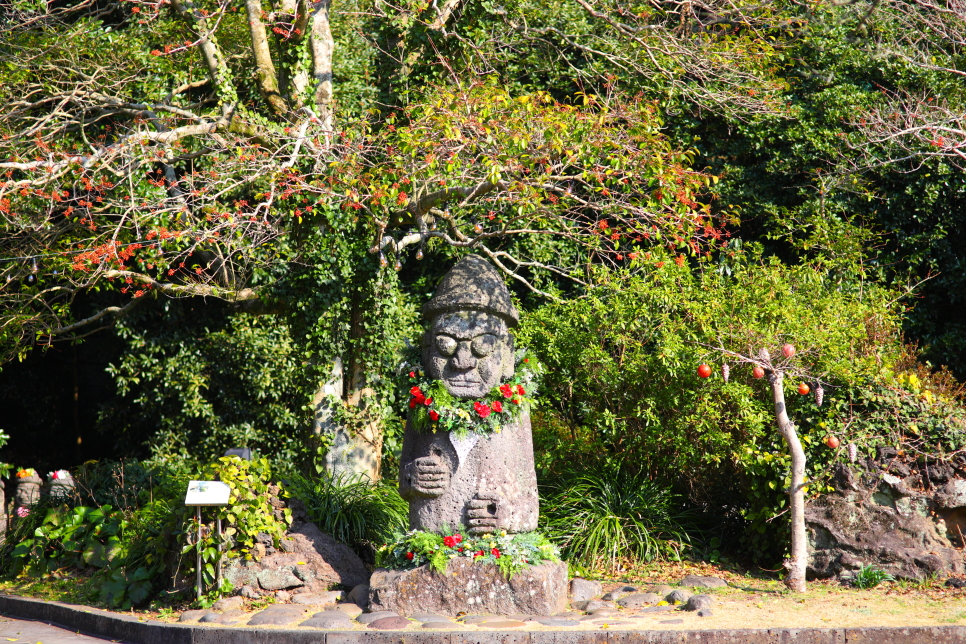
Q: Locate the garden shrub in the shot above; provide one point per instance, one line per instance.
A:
(131, 552)
(621, 386)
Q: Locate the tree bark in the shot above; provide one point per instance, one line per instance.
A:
(799, 560)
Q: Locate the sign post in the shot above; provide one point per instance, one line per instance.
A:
(207, 494)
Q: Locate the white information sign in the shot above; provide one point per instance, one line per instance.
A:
(207, 493)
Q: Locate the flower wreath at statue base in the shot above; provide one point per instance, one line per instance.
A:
(511, 552)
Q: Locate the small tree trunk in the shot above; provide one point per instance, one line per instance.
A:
(799, 560)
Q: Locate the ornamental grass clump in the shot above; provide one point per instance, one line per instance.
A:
(355, 511)
(609, 517)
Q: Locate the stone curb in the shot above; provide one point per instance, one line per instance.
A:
(119, 627)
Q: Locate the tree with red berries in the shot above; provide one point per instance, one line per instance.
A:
(776, 370)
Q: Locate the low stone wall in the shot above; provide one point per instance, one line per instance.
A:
(905, 518)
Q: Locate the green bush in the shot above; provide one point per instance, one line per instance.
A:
(621, 383)
(357, 512)
(606, 517)
(133, 551)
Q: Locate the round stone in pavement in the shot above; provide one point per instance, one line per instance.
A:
(439, 625)
(671, 621)
(350, 609)
(275, 618)
(429, 617)
(194, 615)
(695, 581)
(393, 623)
(368, 618)
(479, 619)
(503, 623)
(705, 612)
(679, 595)
(698, 602)
(232, 616)
(227, 603)
(597, 604)
(328, 620)
(556, 621)
(638, 600)
(310, 599)
(661, 590)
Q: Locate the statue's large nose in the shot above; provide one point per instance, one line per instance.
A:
(463, 358)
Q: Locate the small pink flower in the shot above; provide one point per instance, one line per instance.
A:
(22, 512)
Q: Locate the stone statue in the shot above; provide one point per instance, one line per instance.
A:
(484, 483)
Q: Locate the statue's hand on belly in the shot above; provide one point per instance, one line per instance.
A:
(484, 514)
(428, 476)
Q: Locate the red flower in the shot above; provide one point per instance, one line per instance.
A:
(497, 406)
(412, 403)
(428, 402)
(410, 556)
(520, 390)
(516, 401)
(412, 374)
(458, 538)
(478, 553)
(482, 410)
(449, 542)
(495, 553)
(416, 391)
(433, 415)
(506, 390)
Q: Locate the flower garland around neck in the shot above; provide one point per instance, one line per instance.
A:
(433, 408)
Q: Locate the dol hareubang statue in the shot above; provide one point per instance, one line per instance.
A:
(485, 482)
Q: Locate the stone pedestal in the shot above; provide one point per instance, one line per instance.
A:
(470, 588)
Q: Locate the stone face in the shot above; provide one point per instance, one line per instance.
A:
(485, 483)
(309, 559)
(28, 490)
(583, 589)
(695, 581)
(882, 519)
(537, 590)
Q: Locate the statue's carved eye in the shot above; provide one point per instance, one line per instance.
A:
(446, 345)
(483, 345)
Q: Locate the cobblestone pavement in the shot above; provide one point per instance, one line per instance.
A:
(21, 631)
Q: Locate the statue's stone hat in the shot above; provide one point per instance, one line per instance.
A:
(472, 284)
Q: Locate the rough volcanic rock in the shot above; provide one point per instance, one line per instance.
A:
(584, 589)
(470, 587)
(878, 518)
(310, 559)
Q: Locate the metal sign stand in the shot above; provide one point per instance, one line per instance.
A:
(207, 493)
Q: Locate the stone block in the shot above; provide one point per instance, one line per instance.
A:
(584, 589)
(471, 588)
